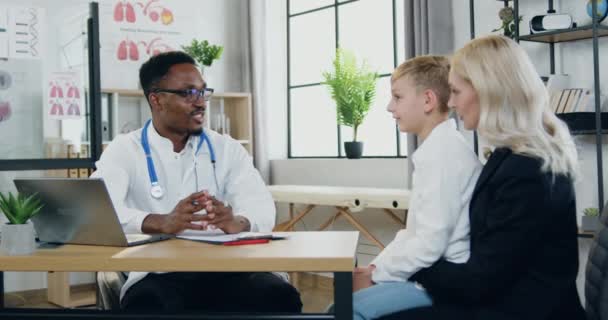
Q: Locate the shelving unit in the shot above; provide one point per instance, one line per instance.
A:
(59, 292)
(558, 36)
(580, 123)
(593, 32)
(236, 105)
(583, 123)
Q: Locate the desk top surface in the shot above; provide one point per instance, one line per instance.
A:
(301, 251)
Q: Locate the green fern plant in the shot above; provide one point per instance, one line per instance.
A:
(203, 52)
(353, 88)
(21, 208)
(591, 212)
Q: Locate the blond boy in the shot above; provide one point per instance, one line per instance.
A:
(445, 172)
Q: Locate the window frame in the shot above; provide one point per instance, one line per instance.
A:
(336, 5)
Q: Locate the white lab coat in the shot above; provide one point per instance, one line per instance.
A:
(445, 173)
(124, 169)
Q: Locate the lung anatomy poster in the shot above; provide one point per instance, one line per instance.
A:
(65, 98)
(131, 31)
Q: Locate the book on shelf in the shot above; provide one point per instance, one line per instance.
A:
(572, 103)
(563, 101)
(554, 98)
(73, 172)
(572, 100)
(586, 101)
(84, 153)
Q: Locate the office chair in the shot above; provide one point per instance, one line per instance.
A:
(108, 289)
(596, 275)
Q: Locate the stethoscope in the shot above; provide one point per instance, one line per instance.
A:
(156, 190)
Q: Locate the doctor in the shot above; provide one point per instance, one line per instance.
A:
(163, 176)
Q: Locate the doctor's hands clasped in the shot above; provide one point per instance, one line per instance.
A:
(185, 216)
(220, 216)
(182, 217)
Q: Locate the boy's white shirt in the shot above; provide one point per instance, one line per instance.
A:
(445, 173)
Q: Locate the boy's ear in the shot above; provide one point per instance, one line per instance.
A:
(430, 100)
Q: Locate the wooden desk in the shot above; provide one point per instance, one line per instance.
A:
(346, 200)
(302, 251)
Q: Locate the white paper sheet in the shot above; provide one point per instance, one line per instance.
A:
(218, 236)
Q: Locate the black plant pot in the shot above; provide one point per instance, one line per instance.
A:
(354, 149)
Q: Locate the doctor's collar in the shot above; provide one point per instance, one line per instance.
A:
(166, 144)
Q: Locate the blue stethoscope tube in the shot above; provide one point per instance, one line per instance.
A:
(156, 190)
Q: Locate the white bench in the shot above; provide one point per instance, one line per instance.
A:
(345, 199)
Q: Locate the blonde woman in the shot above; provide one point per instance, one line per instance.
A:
(524, 254)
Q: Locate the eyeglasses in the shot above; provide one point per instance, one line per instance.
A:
(191, 95)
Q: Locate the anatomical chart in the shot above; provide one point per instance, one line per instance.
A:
(6, 81)
(65, 95)
(25, 31)
(3, 32)
(131, 31)
(21, 117)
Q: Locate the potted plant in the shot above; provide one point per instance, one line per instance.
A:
(17, 236)
(507, 18)
(591, 219)
(353, 88)
(204, 53)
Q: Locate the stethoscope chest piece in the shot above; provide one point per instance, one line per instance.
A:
(156, 191)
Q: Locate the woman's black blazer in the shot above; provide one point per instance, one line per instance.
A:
(524, 251)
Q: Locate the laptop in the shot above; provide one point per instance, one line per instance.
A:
(79, 211)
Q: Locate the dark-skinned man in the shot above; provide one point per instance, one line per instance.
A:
(172, 175)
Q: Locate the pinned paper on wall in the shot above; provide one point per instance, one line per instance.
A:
(65, 98)
(21, 109)
(5, 105)
(25, 33)
(3, 33)
(134, 31)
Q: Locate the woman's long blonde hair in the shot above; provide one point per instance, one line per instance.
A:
(514, 103)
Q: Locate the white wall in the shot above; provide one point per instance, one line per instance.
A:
(277, 80)
(223, 24)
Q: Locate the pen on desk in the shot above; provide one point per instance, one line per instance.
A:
(243, 242)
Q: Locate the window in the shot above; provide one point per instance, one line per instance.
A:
(372, 30)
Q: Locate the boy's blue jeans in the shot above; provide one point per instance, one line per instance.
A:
(388, 297)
